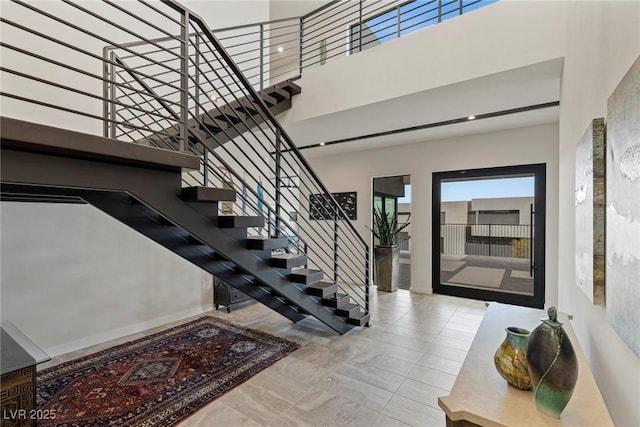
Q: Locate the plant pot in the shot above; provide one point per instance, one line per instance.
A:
(387, 260)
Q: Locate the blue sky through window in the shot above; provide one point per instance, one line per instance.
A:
(457, 191)
(414, 16)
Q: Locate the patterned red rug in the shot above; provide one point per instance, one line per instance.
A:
(157, 380)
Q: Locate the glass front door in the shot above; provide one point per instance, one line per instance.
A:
(489, 234)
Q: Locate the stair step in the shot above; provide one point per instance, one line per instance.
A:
(234, 221)
(290, 87)
(262, 243)
(348, 310)
(279, 94)
(322, 289)
(306, 276)
(288, 260)
(359, 318)
(268, 99)
(246, 106)
(207, 194)
(337, 301)
(214, 125)
(228, 114)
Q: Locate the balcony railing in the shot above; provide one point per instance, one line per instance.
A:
(272, 51)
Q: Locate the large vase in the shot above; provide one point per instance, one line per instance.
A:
(553, 366)
(387, 260)
(511, 358)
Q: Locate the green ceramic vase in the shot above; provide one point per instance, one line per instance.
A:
(511, 358)
(553, 366)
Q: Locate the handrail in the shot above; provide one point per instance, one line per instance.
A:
(321, 36)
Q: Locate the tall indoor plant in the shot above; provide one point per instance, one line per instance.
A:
(387, 252)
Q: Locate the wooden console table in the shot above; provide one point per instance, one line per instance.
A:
(481, 397)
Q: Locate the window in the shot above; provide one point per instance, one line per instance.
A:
(381, 26)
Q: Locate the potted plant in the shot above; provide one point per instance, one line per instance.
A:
(387, 252)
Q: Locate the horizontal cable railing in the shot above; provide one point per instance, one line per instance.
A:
(154, 74)
(277, 50)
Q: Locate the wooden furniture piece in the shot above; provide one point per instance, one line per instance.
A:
(481, 397)
(19, 357)
(227, 295)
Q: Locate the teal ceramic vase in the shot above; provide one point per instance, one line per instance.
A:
(553, 366)
(511, 358)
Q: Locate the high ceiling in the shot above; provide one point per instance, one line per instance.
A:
(522, 87)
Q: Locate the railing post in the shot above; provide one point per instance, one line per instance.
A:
(112, 95)
(197, 75)
(261, 56)
(105, 92)
(367, 278)
(489, 239)
(205, 174)
(184, 80)
(335, 244)
(360, 27)
(460, 5)
(278, 179)
(301, 65)
(398, 22)
(439, 10)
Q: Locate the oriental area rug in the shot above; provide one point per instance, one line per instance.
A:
(157, 380)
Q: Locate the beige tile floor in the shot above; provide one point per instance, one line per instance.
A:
(389, 374)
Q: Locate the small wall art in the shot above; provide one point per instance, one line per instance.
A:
(590, 212)
(321, 206)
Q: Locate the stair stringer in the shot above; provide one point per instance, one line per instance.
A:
(158, 190)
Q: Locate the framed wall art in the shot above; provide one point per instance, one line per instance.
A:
(623, 208)
(590, 212)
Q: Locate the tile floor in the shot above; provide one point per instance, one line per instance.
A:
(390, 374)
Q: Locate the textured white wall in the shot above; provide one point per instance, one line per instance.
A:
(602, 41)
(72, 276)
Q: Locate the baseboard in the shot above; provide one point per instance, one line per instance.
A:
(122, 332)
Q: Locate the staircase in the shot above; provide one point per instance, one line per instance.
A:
(184, 133)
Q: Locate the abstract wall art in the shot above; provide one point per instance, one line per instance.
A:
(590, 212)
(623, 208)
(320, 205)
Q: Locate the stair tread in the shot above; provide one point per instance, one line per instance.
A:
(239, 221)
(322, 289)
(306, 275)
(288, 260)
(207, 194)
(287, 256)
(359, 318)
(290, 87)
(267, 243)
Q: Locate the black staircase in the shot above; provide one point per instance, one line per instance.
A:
(191, 155)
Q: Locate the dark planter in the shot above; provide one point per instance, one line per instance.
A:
(387, 259)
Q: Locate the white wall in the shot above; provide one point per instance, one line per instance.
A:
(602, 41)
(354, 172)
(521, 204)
(73, 276)
(455, 212)
(499, 37)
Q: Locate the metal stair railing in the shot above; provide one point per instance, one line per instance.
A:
(164, 80)
(273, 51)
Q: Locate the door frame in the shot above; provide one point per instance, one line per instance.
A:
(537, 299)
